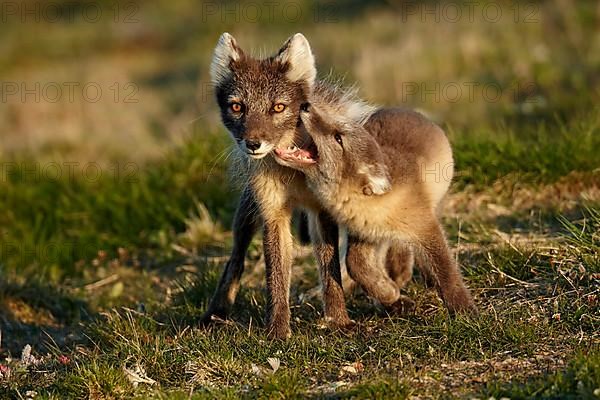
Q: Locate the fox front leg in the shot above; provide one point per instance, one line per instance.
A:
(277, 245)
(245, 225)
(363, 266)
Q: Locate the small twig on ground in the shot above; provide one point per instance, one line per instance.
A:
(102, 282)
(512, 278)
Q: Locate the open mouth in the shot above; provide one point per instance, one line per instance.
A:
(306, 154)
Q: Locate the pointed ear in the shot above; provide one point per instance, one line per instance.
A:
(297, 54)
(226, 51)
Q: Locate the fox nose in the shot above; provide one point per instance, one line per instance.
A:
(252, 145)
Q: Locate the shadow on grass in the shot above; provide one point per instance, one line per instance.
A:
(545, 220)
(39, 315)
(306, 304)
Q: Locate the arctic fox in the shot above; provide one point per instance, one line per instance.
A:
(383, 181)
(260, 103)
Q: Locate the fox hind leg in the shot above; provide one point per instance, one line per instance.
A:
(365, 267)
(443, 270)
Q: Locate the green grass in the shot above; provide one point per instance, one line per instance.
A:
(313, 361)
(541, 301)
(540, 320)
(105, 278)
(539, 154)
(578, 381)
(583, 237)
(58, 222)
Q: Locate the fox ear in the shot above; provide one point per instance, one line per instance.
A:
(296, 52)
(226, 51)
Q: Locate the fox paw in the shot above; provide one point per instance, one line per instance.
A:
(344, 324)
(279, 332)
(403, 306)
(376, 185)
(212, 316)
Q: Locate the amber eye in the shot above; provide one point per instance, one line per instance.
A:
(278, 107)
(236, 107)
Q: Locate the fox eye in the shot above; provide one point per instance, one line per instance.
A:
(279, 107)
(236, 107)
(338, 138)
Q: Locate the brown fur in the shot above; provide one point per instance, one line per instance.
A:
(325, 237)
(408, 161)
(271, 188)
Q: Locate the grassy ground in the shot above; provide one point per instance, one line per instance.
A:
(106, 268)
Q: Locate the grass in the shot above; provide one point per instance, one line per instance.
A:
(82, 216)
(533, 155)
(536, 334)
(578, 381)
(103, 279)
(382, 356)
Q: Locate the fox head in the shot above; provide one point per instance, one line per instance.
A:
(342, 152)
(260, 99)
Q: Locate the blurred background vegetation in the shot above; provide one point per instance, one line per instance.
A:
(123, 88)
(468, 65)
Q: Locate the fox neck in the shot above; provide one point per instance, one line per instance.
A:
(326, 188)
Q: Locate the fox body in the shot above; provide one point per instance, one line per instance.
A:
(384, 181)
(260, 102)
(405, 157)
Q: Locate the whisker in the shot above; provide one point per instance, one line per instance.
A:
(224, 153)
(196, 119)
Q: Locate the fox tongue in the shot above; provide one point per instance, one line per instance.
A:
(293, 151)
